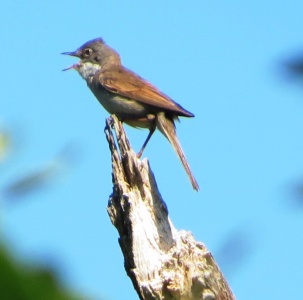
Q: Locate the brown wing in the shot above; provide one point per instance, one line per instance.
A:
(124, 82)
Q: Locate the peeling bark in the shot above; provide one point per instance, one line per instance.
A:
(162, 262)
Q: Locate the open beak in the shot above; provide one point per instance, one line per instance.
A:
(73, 53)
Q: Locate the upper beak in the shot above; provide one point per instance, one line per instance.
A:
(73, 53)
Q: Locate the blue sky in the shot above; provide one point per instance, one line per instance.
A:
(219, 60)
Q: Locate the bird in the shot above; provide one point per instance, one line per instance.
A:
(131, 98)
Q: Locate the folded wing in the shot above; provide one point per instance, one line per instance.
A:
(124, 82)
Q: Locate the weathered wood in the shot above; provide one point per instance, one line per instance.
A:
(162, 262)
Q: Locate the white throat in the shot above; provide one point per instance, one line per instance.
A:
(87, 70)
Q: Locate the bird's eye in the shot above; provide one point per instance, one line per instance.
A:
(87, 52)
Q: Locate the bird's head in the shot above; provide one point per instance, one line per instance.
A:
(94, 55)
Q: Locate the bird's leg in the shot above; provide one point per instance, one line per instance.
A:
(148, 121)
(151, 131)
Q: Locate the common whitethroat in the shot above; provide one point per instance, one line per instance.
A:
(131, 98)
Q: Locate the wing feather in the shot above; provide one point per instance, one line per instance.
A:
(124, 82)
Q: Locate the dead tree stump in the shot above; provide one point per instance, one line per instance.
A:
(162, 262)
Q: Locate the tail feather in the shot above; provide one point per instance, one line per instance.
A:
(167, 127)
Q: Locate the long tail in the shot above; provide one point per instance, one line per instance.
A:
(167, 127)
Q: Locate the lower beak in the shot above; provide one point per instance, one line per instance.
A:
(74, 66)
